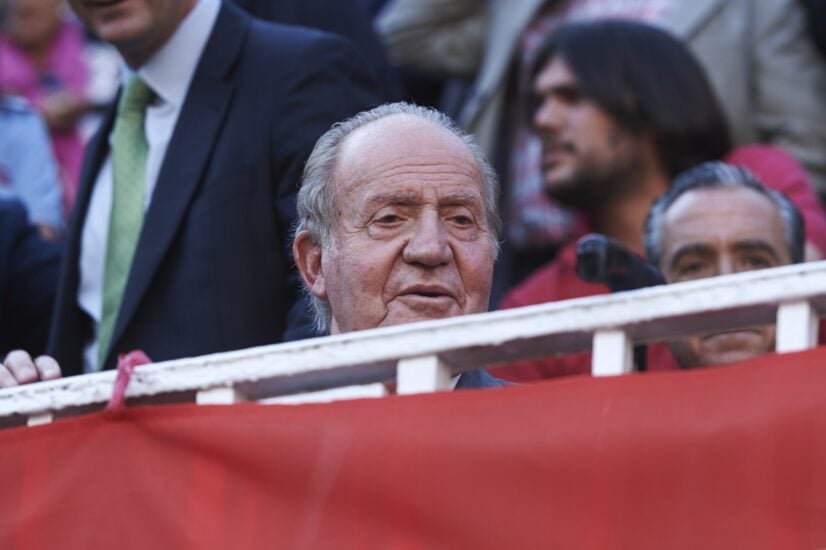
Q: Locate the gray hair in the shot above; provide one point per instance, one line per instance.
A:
(316, 198)
(716, 175)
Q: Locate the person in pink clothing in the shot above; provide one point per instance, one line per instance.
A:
(42, 59)
(780, 171)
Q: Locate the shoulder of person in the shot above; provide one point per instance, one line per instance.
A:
(16, 105)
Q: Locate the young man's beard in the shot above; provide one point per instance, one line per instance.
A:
(590, 186)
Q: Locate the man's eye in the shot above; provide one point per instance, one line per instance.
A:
(692, 269)
(462, 220)
(389, 219)
(569, 96)
(758, 262)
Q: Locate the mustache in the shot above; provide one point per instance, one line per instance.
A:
(550, 142)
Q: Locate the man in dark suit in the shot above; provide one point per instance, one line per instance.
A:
(227, 109)
(351, 19)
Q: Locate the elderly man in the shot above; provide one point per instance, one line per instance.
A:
(719, 219)
(397, 223)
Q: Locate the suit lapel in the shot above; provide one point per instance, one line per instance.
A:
(686, 18)
(199, 124)
(98, 150)
(68, 332)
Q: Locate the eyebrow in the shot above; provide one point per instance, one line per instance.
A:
(564, 89)
(461, 198)
(693, 248)
(744, 245)
(393, 197)
(757, 244)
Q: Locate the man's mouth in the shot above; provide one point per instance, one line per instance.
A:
(103, 3)
(552, 153)
(735, 332)
(428, 291)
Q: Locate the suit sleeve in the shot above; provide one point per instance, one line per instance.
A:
(30, 267)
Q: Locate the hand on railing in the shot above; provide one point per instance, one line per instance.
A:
(19, 368)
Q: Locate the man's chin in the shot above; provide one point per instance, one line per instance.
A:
(568, 193)
(420, 312)
(731, 347)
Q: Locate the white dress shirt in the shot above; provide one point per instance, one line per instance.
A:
(169, 73)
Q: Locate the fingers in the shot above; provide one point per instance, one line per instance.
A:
(20, 368)
(47, 368)
(6, 378)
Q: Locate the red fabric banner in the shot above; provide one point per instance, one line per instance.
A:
(730, 457)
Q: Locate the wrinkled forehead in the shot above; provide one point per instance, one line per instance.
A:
(403, 149)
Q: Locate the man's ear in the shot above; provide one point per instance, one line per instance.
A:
(307, 254)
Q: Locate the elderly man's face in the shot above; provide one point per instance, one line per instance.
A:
(410, 239)
(717, 232)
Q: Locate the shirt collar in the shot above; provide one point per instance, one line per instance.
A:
(170, 70)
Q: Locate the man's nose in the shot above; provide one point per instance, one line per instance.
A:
(429, 243)
(725, 266)
(549, 116)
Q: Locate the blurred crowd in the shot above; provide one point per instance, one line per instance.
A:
(590, 112)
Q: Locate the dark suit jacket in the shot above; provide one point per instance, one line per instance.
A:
(476, 379)
(212, 269)
(28, 277)
(347, 18)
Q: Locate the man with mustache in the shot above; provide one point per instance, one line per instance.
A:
(718, 219)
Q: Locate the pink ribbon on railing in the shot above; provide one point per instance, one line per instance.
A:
(126, 366)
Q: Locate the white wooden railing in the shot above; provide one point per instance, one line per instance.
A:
(423, 357)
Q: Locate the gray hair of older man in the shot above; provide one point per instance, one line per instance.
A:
(316, 199)
(719, 175)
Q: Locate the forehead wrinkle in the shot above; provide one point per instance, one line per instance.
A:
(422, 166)
(408, 174)
(414, 197)
(397, 196)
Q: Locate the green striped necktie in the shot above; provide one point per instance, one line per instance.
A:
(129, 150)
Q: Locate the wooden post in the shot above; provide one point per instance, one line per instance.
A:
(219, 396)
(796, 327)
(611, 353)
(422, 375)
(40, 419)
